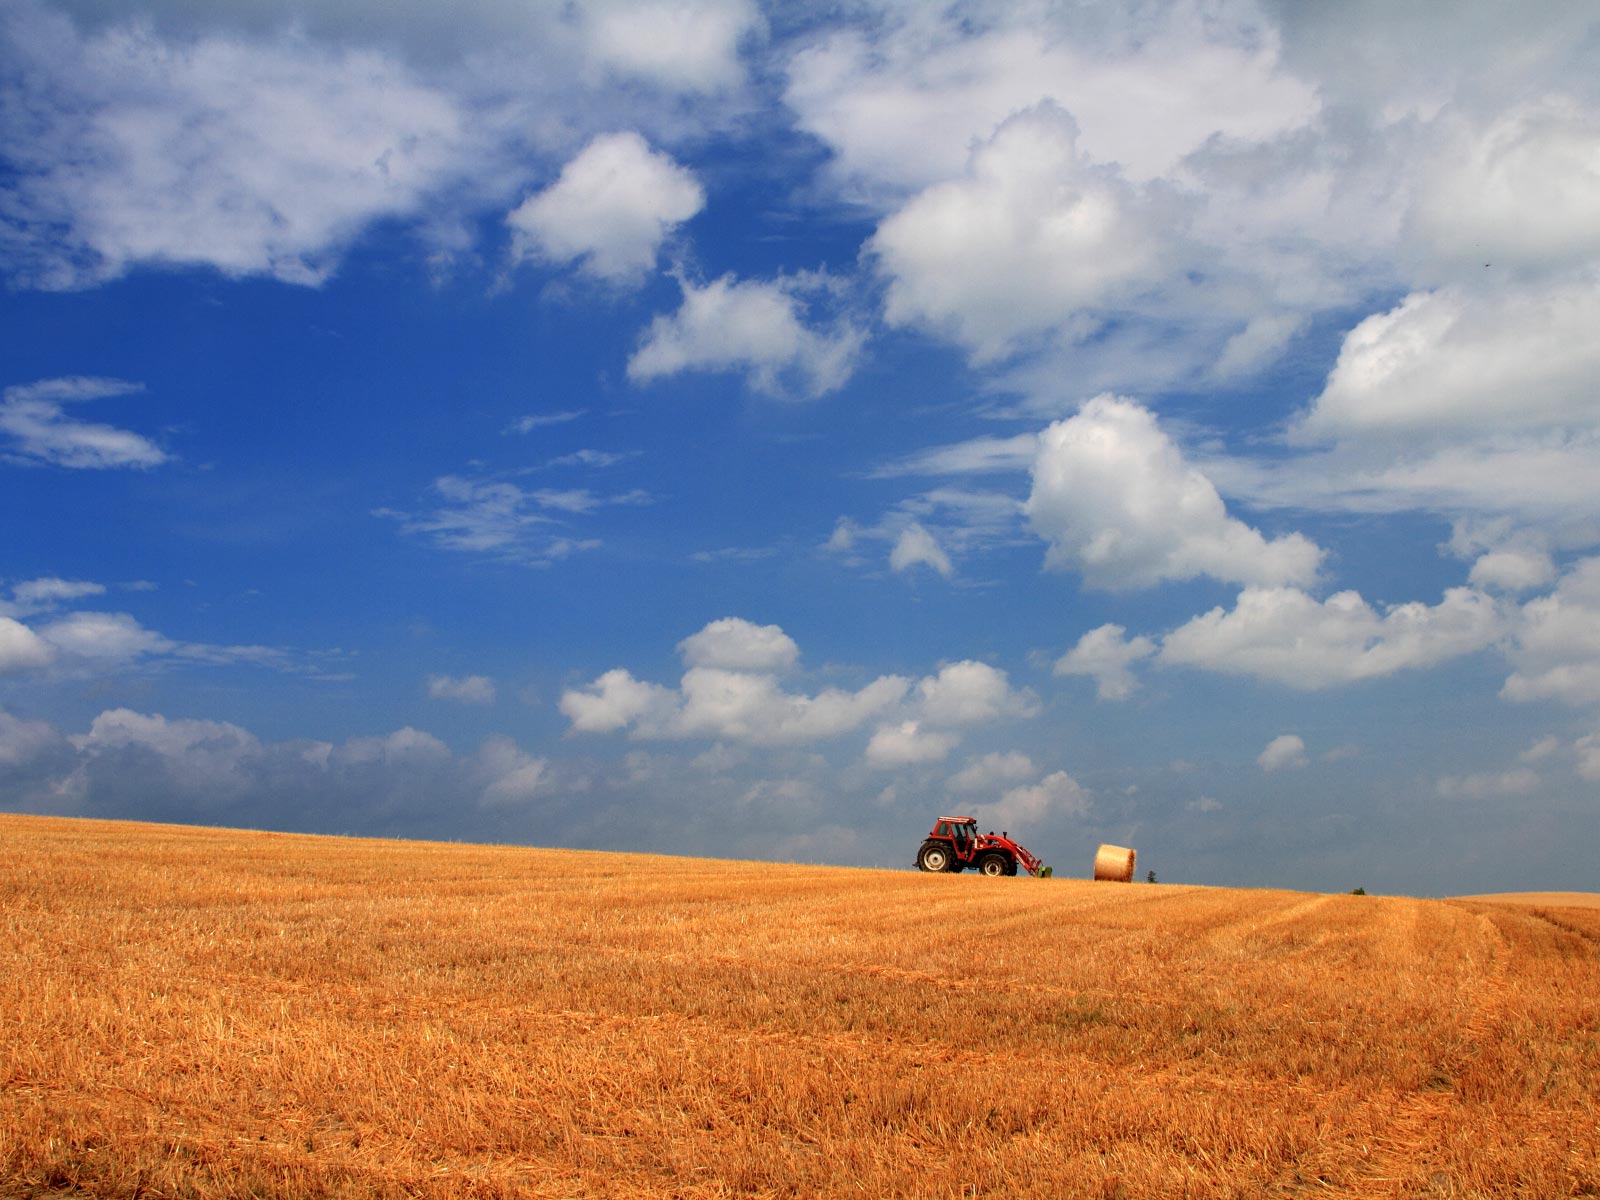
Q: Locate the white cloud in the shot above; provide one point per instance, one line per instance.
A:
(511, 776)
(1056, 795)
(1519, 192)
(1588, 751)
(900, 105)
(496, 517)
(1456, 361)
(20, 740)
(209, 755)
(1032, 240)
(616, 700)
(971, 693)
(1556, 652)
(21, 649)
(730, 692)
(907, 743)
(1286, 752)
(46, 593)
(916, 546)
(1288, 637)
(753, 327)
(610, 210)
(735, 644)
(992, 771)
(39, 429)
(264, 156)
(1106, 655)
(688, 46)
(1116, 500)
(467, 689)
(104, 638)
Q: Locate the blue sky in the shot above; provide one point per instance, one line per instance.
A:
(709, 429)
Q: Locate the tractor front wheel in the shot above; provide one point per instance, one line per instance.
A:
(934, 856)
(992, 864)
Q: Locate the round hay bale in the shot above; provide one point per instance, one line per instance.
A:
(1114, 863)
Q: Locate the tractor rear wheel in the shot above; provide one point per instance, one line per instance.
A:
(993, 864)
(934, 856)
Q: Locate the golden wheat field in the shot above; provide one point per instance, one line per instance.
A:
(207, 1013)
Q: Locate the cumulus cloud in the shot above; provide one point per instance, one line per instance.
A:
(1056, 795)
(1107, 655)
(690, 47)
(908, 743)
(730, 692)
(262, 156)
(900, 103)
(149, 766)
(1460, 360)
(917, 547)
(38, 429)
(1285, 752)
(610, 210)
(993, 771)
(1556, 649)
(466, 689)
(1520, 189)
(1116, 500)
(46, 593)
(735, 644)
(755, 328)
(971, 693)
(1289, 637)
(21, 649)
(1033, 239)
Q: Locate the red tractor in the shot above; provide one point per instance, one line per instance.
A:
(955, 844)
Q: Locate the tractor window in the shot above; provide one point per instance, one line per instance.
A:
(942, 829)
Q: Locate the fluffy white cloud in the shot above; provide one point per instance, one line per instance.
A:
(1033, 239)
(735, 644)
(753, 327)
(107, 638)
(616, 700)
(688, 46)
(468, 689)
(900, 105)
(993, 771)
(21, 649)
(39, 429)
(1056, 795)
(1287, 636)
(1107, 655)
(730, 691)
(263, 156)
(1458, 361)
(1518, 192)
(22, 740)
(610, 210)
(916, 546)
(46, 593)
(209, 755)
(1116, 500)
(907, 743)
(511, 776)
(1285, 752)
(1556, 651)
(971, 693)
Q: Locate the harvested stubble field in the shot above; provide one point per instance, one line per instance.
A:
(208, 1013)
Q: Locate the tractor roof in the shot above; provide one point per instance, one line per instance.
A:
(960, 820)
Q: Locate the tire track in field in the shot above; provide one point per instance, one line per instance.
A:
(1416, 1126)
